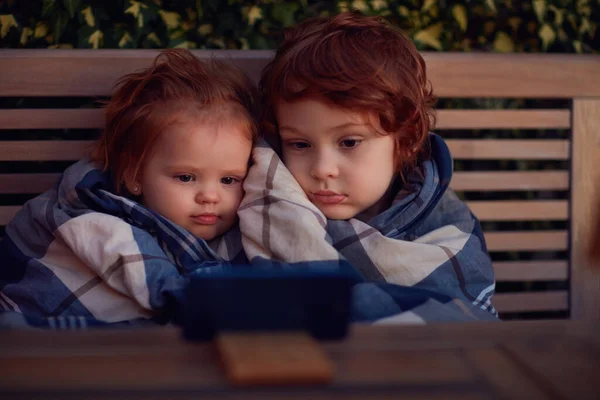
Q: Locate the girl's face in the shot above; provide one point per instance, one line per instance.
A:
(194, 174)
(344, 167)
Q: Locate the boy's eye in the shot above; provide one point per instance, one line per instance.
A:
(349, 143)
(228, 180)
(185, 178)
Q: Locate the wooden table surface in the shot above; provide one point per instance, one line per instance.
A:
(508, 360)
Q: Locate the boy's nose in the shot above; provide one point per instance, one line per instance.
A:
(324, 167)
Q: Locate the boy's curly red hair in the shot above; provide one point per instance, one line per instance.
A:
(358, 63)
(176, 86)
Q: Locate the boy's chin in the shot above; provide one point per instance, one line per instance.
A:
(338, 212)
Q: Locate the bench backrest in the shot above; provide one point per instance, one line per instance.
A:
(536, 242)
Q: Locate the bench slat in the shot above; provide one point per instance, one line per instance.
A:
(89, 118)
(503, 119)
(461, 181)
(85, 118)
(81, 72)
(512, 271)
(43, 150)
(484, 181)
(26, 183)
(527, 241)
(526, 210)
(531, 301)
(509, 149)
(461, 149)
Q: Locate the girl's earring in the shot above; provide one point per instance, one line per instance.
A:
(136, 189)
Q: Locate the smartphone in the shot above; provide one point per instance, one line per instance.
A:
(247, 299)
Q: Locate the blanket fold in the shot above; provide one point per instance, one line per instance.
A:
(82, 252)
(428, 239)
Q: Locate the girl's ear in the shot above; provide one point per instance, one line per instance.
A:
(132, 183)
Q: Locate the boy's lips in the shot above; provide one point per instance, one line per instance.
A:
(328, 197)
(205, 219)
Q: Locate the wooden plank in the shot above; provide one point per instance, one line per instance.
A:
(81, 72)
(85, 118)
(89, 118)
(513, 75)
(531, 301)
(43, 150)
(527, 241)
(26, 183)
(499, 372)
(514, 271)
(551, 358)
(7, 213)
(585, 281)
(520, 210)
(503, 119)
(484, 181)
(509, 149)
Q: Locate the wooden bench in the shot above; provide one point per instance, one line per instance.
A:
(561, 225)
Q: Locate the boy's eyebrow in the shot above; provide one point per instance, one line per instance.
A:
(333, 128)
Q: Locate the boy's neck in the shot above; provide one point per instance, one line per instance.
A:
(383, 203)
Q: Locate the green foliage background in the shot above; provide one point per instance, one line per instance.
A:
(442, 25)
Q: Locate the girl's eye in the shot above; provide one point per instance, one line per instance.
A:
(299, 145)
(228, 180)
(350, 143)
(185, 178)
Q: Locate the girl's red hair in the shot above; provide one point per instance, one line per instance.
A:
(145, 103)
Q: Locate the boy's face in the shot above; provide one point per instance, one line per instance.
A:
(194, 175)
(343, 166)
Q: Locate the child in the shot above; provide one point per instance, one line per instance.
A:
(121, 230)
(348, 99)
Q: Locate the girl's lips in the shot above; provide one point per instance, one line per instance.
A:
(329, 197)
(206, 219)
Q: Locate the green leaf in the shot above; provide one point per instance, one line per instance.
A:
(252, 14)
(430, 36)
(540, 9)
(88, 15)
(61, 19)
(427, 4)
(360, 5)
(135, 9)
(125, 40)
(95, 39)
(379, 5)
(25, 35)
(503, 43)
(285, 13)
(7, 21)
(71, 6)
(153, 38)
(41, 30)
(460, 15)
(491, 5)
(547, 34)
(171, 19)
(48, 6)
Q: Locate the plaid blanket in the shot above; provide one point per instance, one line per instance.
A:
(427, 243)
(79, 255)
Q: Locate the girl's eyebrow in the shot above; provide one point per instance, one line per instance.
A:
(189, 168)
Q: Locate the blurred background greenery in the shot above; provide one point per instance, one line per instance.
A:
(437, 25)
